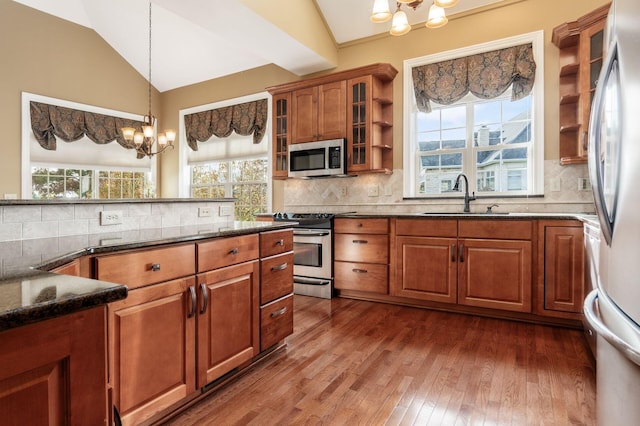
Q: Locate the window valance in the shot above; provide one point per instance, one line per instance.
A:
(486, 75)
(51, 121)
(245, 119)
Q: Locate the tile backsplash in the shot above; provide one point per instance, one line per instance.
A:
(36, 221)
(383, 194)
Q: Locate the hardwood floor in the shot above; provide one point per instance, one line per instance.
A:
(353, 362)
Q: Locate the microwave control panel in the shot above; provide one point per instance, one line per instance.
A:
(335, 157)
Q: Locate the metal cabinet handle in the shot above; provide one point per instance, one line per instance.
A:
(194, 301)
(279, 312)
(453, 252)
(360, 225)
(461, 255)
(359, 271)
(280, 267)
(205, 298)
(585, 140)
(233, 250)
(280, 243)
(155, 267)
(360, 242)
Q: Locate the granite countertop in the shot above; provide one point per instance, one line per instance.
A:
(457, 215)
(28, 293)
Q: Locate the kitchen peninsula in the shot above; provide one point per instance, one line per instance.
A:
(140, 285)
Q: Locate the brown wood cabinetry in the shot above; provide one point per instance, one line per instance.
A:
(319, 112)
(361, 259)
(561, 282)
(355, 104)
(54, 372)
(456, 262)
(581, 54)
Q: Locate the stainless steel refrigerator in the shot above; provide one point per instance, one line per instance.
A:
(613, 308)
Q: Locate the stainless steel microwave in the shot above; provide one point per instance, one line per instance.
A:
(317, 159)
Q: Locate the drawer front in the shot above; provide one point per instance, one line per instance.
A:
(496, 229)
(276, 321)
(361, 226)
(276, 242)
(227, 251)
(276, 275)
(140, 268)
(427, 227)
(361, 277)
(362, 248)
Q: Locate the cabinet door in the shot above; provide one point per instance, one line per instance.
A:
(304, 115)
(591, 57)
(495, 274)
(332, 114)
(564, 269)
(359, 123)
(152, 342)
(281, 134)
(426, 269)
(228, 320)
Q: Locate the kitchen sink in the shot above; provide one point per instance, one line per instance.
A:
(464, 214)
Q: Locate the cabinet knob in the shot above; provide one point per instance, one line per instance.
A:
(233, 250)
(155, 267)
(280, 242)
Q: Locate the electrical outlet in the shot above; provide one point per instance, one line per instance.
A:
(554, 185)
(584, 184)
(110, 217)
(225, 211)
(373, 191)
(204, 212)
(343, 191)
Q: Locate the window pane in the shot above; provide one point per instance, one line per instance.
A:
(438, 173)
(495, 170)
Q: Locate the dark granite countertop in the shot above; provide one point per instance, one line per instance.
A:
(461, 215)
(28, 293)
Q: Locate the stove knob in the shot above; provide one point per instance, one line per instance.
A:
(284, 215)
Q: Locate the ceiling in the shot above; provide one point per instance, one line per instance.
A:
(199, 40)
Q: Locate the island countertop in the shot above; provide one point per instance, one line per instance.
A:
(29, 293)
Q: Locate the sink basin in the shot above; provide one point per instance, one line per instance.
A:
(463, 213)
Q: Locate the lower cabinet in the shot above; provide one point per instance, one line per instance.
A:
(152, 342)
(54, 372)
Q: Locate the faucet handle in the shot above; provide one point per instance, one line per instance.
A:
(490, 207)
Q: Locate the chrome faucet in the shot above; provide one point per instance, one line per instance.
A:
(467, 198)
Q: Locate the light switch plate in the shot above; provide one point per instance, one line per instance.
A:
(110, 217)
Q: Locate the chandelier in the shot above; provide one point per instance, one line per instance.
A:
(144, 141)
(400, 24)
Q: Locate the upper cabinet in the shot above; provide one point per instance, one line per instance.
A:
(356, 105)
(581, 44)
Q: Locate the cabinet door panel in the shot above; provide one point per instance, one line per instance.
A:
(495, 274)
(304, 115)
(564, 269)
(332, 110)
(426, 269)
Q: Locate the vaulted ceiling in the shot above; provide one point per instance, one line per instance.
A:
(199, 40)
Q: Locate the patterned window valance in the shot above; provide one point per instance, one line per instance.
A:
(245, 119)
(486, 75)
(49, 121)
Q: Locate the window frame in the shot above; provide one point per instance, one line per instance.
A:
(184, 171)
(410, 157)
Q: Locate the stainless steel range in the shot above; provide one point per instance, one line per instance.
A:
(312, 253)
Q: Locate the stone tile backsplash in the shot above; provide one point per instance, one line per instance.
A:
(27, 222)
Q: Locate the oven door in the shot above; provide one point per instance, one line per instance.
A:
(312, 253)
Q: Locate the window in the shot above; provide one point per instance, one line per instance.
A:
(82, 169)
(232, 167)
(497, 143)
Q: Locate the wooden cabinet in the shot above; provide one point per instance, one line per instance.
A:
(561, 282)
(361, 259)
(227, 251)
(281, 105)
(369, 124)
(54, 372)
(581, 54)
(355, 104)
(152, 346)
(318, 112)
(468, 262)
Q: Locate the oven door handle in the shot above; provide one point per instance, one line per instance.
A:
(302, 233)
(312, 281)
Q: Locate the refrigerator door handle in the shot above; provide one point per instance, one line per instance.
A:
(590, 313)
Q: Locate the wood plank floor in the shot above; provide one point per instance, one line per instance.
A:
(362, 363)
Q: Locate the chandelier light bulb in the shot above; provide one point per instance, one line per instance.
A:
(381, 12)
(400, 24)
(437, 17)
(445, 3)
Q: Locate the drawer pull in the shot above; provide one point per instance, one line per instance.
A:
(205, 298)
(280, 243)
(453, 252)
(360, 242)
(360, 225)
(155, 267)
(461, 255)
(194, 301)
(279, 312)
(280, 267)
(233, 250)
(359, 271)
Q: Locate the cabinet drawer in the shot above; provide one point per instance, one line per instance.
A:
(496, 229)
(276, 321)
(276, 242)
(140, 268)
(227, 251)
(362, 248)
(427, 227)
(361, 226)
(276, 275)
(361, 276)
